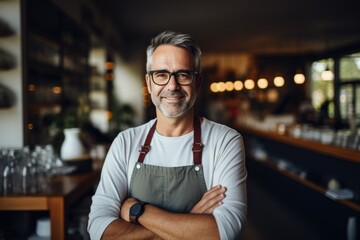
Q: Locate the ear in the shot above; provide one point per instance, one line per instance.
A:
(148, 83)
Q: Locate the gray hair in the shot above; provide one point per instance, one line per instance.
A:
(176, 39)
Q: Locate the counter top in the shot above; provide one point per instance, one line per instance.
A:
(325, 149)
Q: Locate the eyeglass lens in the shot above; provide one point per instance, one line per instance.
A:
(162, 77)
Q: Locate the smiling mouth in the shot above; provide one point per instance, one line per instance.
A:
(172, 96)
(173, 99)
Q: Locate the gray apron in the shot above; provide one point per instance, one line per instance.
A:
(175, 189)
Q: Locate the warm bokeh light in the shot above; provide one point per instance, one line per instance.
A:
(261, 96)
(262, 83)
(221, 87)
(30, 126)
(109, 76)
(327, 75)
(299, 78)
(214, 87)
(238, 85)
(249, 84)
(31, 88)
(229, 86)
(273, 95)
(56, 90)
(109, 65)
(279, 81)
(108, 115)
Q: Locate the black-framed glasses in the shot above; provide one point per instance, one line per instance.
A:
(182, 77)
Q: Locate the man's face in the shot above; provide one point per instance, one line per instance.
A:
(172, 100)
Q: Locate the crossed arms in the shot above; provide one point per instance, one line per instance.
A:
(110, 208)
(156, 223)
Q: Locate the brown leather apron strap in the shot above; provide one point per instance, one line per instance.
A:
(196, 147)
(146, 147)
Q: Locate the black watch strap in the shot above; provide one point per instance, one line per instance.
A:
(139, 207)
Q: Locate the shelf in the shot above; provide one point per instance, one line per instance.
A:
(41, 38)
(328, 150)
(305, 182)
(56, 67)
(41, 68)
(46, 106)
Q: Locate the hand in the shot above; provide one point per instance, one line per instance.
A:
(211, 200)
(125, 208)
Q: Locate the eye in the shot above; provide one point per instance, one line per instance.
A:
(161, 75)
(183, 75)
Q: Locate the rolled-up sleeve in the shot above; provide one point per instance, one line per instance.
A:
(231, 173)
(100, 217)
(110, 193)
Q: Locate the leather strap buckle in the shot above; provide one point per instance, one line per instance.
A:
(197, 147)
(144, 149)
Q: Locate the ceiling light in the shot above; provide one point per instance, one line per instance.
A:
(327, 75)
(238, 85)
(279, 81)
(214, 87)
(221, 87)
(262, 83)
(249, 84)
(299, 77)
(229, 86)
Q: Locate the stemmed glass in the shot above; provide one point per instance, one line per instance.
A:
(25, 171)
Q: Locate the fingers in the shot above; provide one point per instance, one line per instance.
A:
(214, 198)
(211, 200)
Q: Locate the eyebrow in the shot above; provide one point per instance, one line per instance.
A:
(160, 70)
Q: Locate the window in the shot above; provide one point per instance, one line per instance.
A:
(323, 86)
(350, 67)
(347, 79)
(349, 82)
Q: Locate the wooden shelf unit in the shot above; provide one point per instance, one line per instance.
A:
(56, 51)
(307, 183)
(322, 162)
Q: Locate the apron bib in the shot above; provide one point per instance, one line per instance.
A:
(175, 189)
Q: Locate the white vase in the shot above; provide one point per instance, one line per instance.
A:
(72, 147)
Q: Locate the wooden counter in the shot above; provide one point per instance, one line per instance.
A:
(325, 149)
(62, 192)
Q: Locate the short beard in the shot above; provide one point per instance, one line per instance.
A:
(181, 108)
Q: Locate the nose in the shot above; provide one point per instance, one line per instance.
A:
(172, 84)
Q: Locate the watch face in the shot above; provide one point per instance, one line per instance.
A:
(136, 209)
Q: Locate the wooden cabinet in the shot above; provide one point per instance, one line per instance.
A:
(56, 68)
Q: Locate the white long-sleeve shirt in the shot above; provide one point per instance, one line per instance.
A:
(223, 160)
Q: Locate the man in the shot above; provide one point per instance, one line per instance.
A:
(188, 180)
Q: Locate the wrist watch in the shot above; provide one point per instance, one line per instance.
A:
(136, 211)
